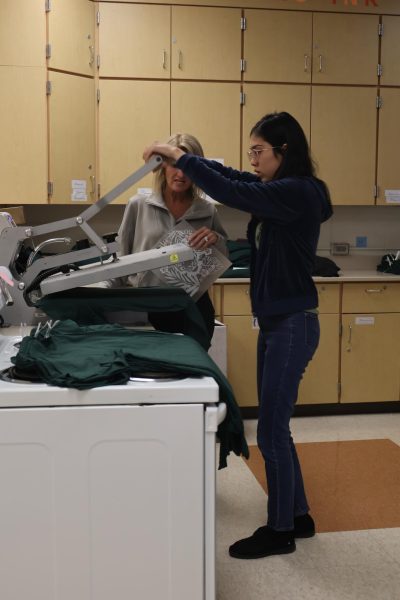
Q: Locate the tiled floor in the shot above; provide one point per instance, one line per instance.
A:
(362, 564)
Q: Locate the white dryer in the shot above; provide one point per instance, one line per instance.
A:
(109, 492)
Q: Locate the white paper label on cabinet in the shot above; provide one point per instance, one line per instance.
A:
(392, 196)
(365, 320)
(78, 190)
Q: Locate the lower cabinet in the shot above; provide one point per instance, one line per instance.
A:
(370, 346)
(358, 358)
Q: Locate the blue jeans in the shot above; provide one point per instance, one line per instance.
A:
(286, 344)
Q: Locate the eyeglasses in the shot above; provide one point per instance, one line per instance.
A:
(255, 152)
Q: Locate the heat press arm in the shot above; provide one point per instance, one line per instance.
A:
(43, 274)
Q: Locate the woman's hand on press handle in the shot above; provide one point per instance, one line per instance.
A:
(203, 238)
(165, 150)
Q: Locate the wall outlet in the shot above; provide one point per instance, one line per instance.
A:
(340, 248)
(361, 241)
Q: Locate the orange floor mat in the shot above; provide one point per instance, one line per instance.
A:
(350, 485)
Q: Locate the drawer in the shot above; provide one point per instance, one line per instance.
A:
(371, 297)
(328, 297)
(236, 299)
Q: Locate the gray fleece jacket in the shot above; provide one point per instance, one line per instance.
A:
(147, 219)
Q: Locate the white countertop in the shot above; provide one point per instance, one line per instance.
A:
(344, 277)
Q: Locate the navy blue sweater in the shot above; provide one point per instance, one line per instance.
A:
(288, 212)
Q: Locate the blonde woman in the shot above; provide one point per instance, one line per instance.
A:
(148, 218)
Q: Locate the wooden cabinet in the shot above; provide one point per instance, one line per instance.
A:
(287, 46)
(370, 352)
(263, 98)
(124, 130)
(211, 112)
(23, 151)
(206, 43)
(72, 139)
(345, 49)
(390, 51)
(278, 46)
(343, 141)
(389, 132)
(72, 36)
(358, 358)
(182, 42)
(134, 40)
(22, 33)
(320, 383)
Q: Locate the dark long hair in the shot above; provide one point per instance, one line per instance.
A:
(282, 130)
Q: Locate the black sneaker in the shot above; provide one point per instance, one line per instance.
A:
(264, 542)
(304, 526)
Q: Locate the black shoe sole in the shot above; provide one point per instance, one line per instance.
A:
(289, 550)
(305, 534)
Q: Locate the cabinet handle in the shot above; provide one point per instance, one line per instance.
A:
(91, 59)
(180, 61)
(306, 63)
(93, 185)
(348, 349)
(375, 290)
(320, 65)
(164, 59)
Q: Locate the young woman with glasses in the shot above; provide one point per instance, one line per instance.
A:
(287, 204)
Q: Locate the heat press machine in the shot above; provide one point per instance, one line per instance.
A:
(25, 280)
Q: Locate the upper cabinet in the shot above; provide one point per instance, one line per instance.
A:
(72, 36)
(388, 162)
(23, 151)
(22, 33)
(72, 139)
(205, 43)
(390, 51)
(278, 46)
(300, 47)
(343, 141)
(134, 41)
(131, 115)
(211, 112)
(345, 49)
(190, 43)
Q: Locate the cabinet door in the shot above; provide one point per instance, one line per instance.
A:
(345, 48)
(72, 138)
(261, 99)
(22, 33)
(242, 358)
(23, 151)
(277, 46)
(206, 43)
(131, 115)
(370, 368)
(343, 140)
(211, 112)
(134, 40)
(388, 147)
(320, 381)
(71, 36)
(390, 51)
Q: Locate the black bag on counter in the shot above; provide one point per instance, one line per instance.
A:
(325, 267)
(389, 264)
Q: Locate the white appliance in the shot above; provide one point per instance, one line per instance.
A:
(107, 493)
